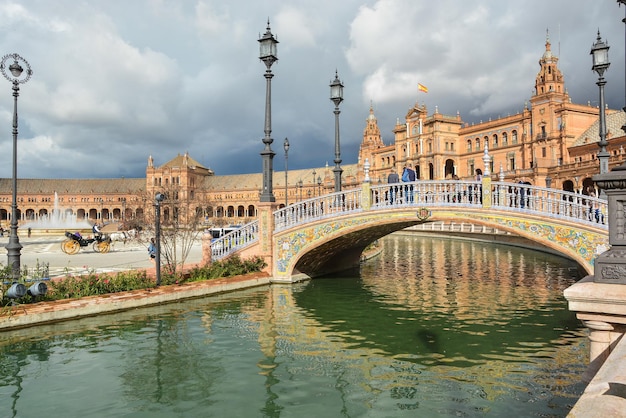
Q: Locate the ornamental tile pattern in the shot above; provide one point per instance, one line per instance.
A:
(293, 243)
(575, 241)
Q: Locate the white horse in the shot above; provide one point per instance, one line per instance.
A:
(123, 235)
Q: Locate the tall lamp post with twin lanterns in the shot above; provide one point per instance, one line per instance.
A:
(600, 59)
(268, 54)
(16, 75)
(336, 96)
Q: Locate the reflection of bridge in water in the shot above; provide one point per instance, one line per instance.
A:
(328, 233)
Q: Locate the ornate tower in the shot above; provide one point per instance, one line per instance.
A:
(372, 141)
(545, 141)
(549, 79)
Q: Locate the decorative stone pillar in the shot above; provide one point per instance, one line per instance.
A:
(266, 233)
(486, 180)
(610, 266)
(599, 346)
(366, 193)
(207, 254)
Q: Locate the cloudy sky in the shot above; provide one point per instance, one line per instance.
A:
(115, 81)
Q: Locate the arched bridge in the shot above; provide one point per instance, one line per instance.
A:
(329, 233)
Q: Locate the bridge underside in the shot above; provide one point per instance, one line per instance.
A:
(343, 253)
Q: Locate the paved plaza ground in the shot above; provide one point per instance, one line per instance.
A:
(47, 249)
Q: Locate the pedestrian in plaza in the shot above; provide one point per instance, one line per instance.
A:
(152, 249)
(393, 190)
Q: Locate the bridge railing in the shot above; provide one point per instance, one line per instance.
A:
(427, 193)
(505, 196)
(553, 203)
(317, 208)
(239, 238)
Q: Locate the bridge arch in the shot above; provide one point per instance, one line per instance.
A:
(324, 247)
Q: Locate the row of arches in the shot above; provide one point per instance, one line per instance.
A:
(496, 141)
(106, 214)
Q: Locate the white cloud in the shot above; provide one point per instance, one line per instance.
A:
(129, 79)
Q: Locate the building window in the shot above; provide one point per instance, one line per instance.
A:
(469, 145)
(505, 139)
(477, 144)
(495, 141)
(514, 137)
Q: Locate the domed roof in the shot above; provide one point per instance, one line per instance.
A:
(371, 116)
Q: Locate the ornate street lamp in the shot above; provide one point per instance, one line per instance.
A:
(600, 58)
(286, 147)
(16, 76)
(336, 96)
(158, 198)
(620, 2)
(319, 185)
(268, 55)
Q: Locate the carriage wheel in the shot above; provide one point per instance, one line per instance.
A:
(101, 247)
(70, 246)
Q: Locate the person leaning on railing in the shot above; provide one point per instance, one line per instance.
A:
(392, 179)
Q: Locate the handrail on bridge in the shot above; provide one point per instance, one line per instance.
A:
(515, 197)
(235, 240)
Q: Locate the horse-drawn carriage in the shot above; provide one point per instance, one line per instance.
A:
(74, 241)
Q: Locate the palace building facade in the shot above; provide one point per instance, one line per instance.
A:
(552, 142)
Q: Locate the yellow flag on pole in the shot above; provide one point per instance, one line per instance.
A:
(421, 87)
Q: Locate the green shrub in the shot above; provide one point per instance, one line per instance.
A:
(91, 284)
(99, 284)
(232, 266)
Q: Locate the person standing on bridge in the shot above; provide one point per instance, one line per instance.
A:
(393, 190)
(408, 175)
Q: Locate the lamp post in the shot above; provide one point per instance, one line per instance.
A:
(158, 198)
(620, 2)
(319, 185)
(268, 55)
(286, 147)
(336, 96)
(16, 76)
(600, 59)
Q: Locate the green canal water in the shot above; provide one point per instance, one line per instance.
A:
(430, 328)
